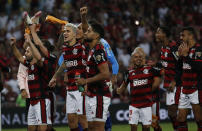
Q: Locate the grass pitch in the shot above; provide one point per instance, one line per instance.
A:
(165, 126)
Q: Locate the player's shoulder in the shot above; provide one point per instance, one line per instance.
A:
(99, 46)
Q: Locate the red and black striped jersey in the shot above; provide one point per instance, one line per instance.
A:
(37, 88)
(75, 61)
(191, 71)
(141, 80)
(168, 61)
(49, 66)
(96, 57)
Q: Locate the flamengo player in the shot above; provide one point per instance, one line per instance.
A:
(74, 62)
(169, 62)
(98, 95)
(190, 53)
(143, 79)
(39, 115)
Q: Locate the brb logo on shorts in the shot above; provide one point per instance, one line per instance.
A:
(140, 82)
(71, 63)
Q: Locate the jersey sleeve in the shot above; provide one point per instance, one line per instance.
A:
(196, 61)
(110, 56)
(156, 71)
(125, 77)
(99, 56)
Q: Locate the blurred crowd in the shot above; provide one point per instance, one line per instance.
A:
(127, 23)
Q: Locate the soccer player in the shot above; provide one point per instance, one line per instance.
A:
(75, 63)
(142, 79)
(3, 68)
(98, 95)
(190, 53)
(169, 63)
(39, 110)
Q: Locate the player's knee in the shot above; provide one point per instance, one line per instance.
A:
(146, 127)
(172, 111)
(83, 121)
(72, 121)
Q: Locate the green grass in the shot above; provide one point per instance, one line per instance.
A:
(165, 126)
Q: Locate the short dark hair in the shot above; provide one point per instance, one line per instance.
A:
(48, 45)
(165, 30)
(190, 30)
(97, 28)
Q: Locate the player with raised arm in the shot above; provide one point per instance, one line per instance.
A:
(190, 54)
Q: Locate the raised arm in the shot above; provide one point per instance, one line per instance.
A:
(37, 40)
(83, 13)
(16, 52)
(34, 50)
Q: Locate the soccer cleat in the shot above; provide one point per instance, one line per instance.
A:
(35, 18)
(27, 19)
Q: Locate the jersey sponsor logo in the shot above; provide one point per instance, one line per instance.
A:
(166, 54)
(75, 51)
(31, 77)
(145, 71)
(198, 54)
(186, 66)
(140, 82)
(84, 62)
(32, 67)
(71, 63)
(164, 64)
(98, 57)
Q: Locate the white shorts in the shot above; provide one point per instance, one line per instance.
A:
(97, 108)
(170, 97)
(40, 114)
(155, 108)
(75, 103)
(140, 114)
(187, 99)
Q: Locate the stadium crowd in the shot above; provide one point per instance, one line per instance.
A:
(128, 24)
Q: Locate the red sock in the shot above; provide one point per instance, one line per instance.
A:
(174, 122)
(75, 129)
(182, 126)
(199, 125)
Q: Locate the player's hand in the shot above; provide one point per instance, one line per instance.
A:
(172, 86)
(52, 82)
(83, 11)
(27, 38)
(32, 27)
(119, 90)
(81, 81)
(85, 90)
(183, 49)
(24, 94)
(12, 41)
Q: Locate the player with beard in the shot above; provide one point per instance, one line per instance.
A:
(39, 115)
(98, 96)
(169, 61)
(190, 53)
(75, 63)
(143, 79)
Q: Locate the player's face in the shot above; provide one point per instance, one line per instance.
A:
(184, 36)
(28, 53)
(69, 34)
(90, 34)
(138, 59)
(79, 33)
(159, 35)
